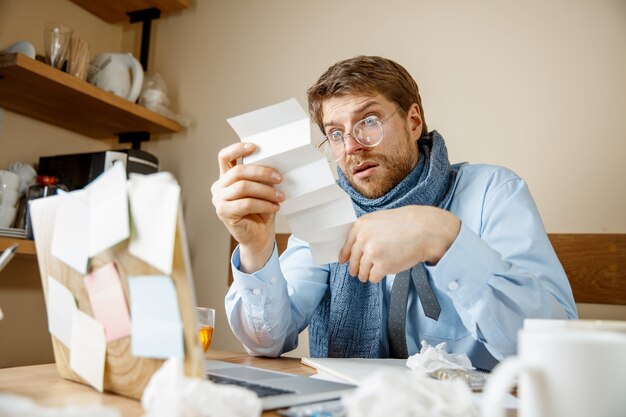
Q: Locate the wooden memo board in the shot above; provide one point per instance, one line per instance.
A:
(124, 373)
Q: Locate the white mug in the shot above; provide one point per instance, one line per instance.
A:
(569, 325)
(562, 373)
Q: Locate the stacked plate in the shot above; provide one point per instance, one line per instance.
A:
(9, 197)
(12, 232)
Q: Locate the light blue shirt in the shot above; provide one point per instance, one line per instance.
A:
(500, 269)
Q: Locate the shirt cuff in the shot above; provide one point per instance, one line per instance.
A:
(265, 283)
(465, 268)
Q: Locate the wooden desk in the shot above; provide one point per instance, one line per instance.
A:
(43, 384)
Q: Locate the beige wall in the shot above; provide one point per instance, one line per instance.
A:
(536, 86)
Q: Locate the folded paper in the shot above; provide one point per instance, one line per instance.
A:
(314, 203)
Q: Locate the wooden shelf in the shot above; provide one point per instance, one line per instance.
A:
(26, 247)
(37, 90)
(115, 11)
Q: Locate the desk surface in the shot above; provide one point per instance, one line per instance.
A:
(43, 384)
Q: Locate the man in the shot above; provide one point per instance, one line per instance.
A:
(439, 253)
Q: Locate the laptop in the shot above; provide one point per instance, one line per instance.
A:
(275, 389)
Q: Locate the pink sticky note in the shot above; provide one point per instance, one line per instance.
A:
(108, 301)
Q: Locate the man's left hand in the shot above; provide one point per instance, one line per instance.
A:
(391, 241)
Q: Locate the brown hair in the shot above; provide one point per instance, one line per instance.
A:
(365, 75)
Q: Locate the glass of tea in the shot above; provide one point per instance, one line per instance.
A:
(206, 323)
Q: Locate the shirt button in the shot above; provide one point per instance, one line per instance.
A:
(273, 280)
(453, 286)
(256, 291)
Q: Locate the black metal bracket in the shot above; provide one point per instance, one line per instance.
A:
(146, 16)
(134, 138)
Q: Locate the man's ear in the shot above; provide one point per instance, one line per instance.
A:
(414, 120)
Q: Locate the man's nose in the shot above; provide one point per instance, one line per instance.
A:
(351, 144)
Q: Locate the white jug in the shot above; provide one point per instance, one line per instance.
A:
(120, 74)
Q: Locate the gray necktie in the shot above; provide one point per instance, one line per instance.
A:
(398, 305)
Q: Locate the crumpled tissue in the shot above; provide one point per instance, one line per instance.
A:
(16, 405)
(170, 393)
(431, 359)
(409, 394)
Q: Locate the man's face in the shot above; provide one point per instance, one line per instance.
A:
(373, 171)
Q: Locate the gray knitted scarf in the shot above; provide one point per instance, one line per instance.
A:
(347, 323)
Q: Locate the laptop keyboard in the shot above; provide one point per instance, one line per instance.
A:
(260, 390)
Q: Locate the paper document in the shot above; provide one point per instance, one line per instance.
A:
(316, 209)
(353, 370)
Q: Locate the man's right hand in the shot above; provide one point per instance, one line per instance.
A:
(246, 202)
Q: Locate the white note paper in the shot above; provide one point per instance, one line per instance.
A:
(60, 307)
(154, 201)
(92, 220)
(88, 349)
(70, 241)
(316, 209)
(108, 209)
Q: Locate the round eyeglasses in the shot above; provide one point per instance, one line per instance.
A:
(368, 132)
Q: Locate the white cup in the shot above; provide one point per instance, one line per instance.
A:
(9, 180)
(567, 325)
(574, 373)
(8, 197)
(7, 215)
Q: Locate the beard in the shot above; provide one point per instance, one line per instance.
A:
(392, 168)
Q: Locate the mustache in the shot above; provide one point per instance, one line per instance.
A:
(379, 159)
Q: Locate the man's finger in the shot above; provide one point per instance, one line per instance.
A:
(344, 253)
(227, 157)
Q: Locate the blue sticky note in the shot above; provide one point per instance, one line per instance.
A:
(156, 329)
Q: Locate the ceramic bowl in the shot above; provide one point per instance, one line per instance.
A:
(8, 197)
(7, 215)
(9, 180)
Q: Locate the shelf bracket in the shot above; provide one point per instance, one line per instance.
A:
(146, 16)
(134, 138)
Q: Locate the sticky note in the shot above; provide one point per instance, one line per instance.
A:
(157, 329)
(88, 349)
(60, 307)
(108, 301)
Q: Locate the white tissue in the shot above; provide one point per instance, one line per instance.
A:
(170, 393)
(15, 405)
(409, 394)
(431, 359)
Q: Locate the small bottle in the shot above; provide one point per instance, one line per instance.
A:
(45, 186)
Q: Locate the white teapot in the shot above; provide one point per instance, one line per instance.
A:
(120, 74)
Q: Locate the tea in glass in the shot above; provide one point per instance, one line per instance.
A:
(206, 323)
